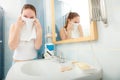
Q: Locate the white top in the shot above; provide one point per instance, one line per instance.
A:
(25, 51)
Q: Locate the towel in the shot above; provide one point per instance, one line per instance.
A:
(75, 32)
(28, 31)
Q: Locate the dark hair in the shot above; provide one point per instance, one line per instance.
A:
(71, 15)
(29, 6)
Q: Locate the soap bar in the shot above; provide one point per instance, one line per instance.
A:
(66, 68)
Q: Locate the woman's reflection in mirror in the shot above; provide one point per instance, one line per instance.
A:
(72, 28)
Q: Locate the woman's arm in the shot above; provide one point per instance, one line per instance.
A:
(13, 37)
(65, 34)
(80, 30)
(38, 40)
(14, 33)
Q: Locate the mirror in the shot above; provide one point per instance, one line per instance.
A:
(61, 11)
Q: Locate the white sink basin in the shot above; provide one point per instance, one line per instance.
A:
(47, 70)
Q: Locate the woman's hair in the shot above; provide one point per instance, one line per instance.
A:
(29, 6)
(71, 15)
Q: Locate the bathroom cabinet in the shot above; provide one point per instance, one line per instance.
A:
(1, 45)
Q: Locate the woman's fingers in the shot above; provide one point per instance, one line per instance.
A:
(20, 23)
(37, 22)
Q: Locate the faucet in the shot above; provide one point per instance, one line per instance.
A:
(61, 59)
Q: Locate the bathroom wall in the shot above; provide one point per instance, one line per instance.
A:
(106, 48)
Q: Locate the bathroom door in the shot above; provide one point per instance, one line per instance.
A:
(1, 45)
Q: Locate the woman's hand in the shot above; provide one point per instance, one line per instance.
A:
(69, 27)
(37, 23)
(20, 23)
(38, 40)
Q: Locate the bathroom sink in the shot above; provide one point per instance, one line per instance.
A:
(47, 70)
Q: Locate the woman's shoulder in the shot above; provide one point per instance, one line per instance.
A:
(63, 30)
(12, 26)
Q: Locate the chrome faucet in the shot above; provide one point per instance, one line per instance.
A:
(61, 58)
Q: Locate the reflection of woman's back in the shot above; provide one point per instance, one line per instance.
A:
(72, 28)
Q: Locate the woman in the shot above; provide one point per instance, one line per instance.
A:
(25, 49)
(72, 28)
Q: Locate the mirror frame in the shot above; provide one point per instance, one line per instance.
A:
(93, 30)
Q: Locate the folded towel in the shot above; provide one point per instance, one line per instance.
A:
(28, 31)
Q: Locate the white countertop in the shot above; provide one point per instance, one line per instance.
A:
(47, 70)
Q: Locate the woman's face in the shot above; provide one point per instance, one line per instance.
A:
(76, 20)
(28, 13)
